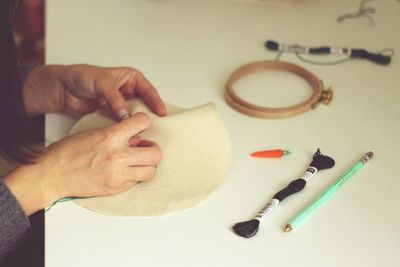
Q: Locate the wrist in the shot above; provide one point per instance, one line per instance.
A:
(42, 90)
(29, 189)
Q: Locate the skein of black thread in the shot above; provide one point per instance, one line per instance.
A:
(320, 162)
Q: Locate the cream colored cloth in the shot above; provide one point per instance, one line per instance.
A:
(196, 157)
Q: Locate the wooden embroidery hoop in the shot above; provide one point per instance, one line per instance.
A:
(319, 93)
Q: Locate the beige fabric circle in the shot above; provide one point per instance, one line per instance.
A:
(196, 158)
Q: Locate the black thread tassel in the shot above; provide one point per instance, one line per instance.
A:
(360, 53)
(319, 162)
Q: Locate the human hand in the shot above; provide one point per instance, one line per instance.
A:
(80, 89)
(99, 162)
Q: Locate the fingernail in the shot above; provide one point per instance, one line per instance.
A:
(123, 114)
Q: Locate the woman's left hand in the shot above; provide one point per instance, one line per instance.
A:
(80, 89)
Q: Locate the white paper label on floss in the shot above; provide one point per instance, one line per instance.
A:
(309, 173)
(268, 208)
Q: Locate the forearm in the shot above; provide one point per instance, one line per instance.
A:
(41, 90)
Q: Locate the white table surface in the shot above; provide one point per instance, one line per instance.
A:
(188, 49)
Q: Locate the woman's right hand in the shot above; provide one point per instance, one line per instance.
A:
(99, 162)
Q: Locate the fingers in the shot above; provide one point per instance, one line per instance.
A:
(131, 177)
(126, 84)
(147, 92)
(134, 140)
(138, 165)
(143, 156)
(146, 143)
(139, 174)
(139, 152)
(137, 141)
(114, 99)
(130, 126)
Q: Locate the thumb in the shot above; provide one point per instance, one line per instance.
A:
(132, 126)
(114, 99)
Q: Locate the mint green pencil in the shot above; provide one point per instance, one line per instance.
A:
(328, 192)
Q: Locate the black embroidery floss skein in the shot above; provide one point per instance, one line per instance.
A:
(319, 162)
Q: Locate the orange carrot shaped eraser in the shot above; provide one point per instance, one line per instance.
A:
(274, 153)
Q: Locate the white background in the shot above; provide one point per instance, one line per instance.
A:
(188, 50)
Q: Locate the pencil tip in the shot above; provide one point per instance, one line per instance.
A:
(288, 228)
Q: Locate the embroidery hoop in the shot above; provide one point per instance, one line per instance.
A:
(319, 93)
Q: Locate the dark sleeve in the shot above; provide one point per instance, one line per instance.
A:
(14, 225)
